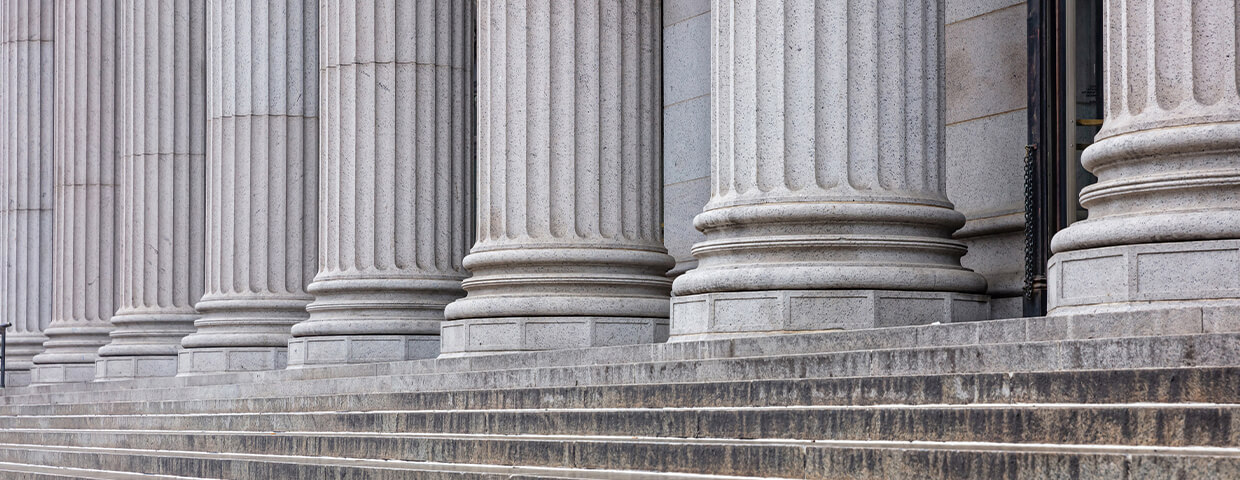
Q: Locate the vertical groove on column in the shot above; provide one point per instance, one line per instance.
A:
(163, 172)
(569, 249)
(396, 183)
(826, 168)
(26, 165)
(262, 183)
(87, 126)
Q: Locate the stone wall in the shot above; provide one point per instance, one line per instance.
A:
(686, 124)
(985, 60)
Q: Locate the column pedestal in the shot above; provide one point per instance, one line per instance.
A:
(828, 206)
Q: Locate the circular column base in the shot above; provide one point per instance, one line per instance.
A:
(1145, 277)
(346, 349)
(736, 314)
(125, 367)
(202, 360)
(486, 336)
(62, 373)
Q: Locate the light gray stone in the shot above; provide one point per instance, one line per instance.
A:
(570, 249)
(676, 11)
(1164, 218)
(686, 60)
(162, 185)
(681, 202)
(827, 174)
(262, 183)
(89, 118)
(395, 193)
(986, 65)
(27, 98)
(957, 10)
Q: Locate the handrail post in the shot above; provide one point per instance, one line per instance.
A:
(4, 354)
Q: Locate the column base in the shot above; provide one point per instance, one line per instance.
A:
(201, 360)
(345, 349)
(485, 336)
(62, 373)
(17, 378)
(737, 314)
(136, 366)
(1145, 277)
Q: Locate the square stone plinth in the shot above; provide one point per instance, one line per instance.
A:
(515, 334)
(231, 359)
(344, 349)
(721, 315)
(125, 367)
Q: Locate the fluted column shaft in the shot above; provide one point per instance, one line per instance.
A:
(26, 96)
(1167, 200)
(87, 119)
(397, 143)
(262, 183)
(569, 244)
(828, 197)
(162, 189)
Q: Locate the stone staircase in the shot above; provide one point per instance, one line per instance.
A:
(1023, 398)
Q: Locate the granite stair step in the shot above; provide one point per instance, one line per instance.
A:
(21, 471)
(1169, 385)
(173, 464)
(1174, 425)
(1021, 330)
(581, 457)
(1204, 350)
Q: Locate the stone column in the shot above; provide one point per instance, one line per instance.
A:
(394, 201)
(163, 167)
(828, 207)
(26, 83)
(569, 248)
(87, 130)
(262, 183)
(1164, 218)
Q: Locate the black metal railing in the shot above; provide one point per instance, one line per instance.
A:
(4, 352)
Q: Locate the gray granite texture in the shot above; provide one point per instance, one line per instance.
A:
(569, 245)
(1164, 216)
(828, 166)
(396, 179)
(27, 106)
(262, 184)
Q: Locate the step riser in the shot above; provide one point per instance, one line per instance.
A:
(1144, 386)
(811, 462)
(1167, 426)
(1128, 353)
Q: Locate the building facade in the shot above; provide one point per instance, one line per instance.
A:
(197, 187)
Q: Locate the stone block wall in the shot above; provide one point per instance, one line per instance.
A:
(686, 124)
(986, 134)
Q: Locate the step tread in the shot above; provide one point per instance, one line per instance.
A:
(93, 474)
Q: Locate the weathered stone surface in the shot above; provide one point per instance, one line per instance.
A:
(828, 164)
(163, 163)
(89, 118)
(262, 183)
(394, 199)
(27, 30)
(1164, 217)
(569, 249)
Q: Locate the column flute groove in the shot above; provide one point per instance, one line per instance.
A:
(569, 245)
(26, 180)
(163, 172)
(828, 205)
(395, 179)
